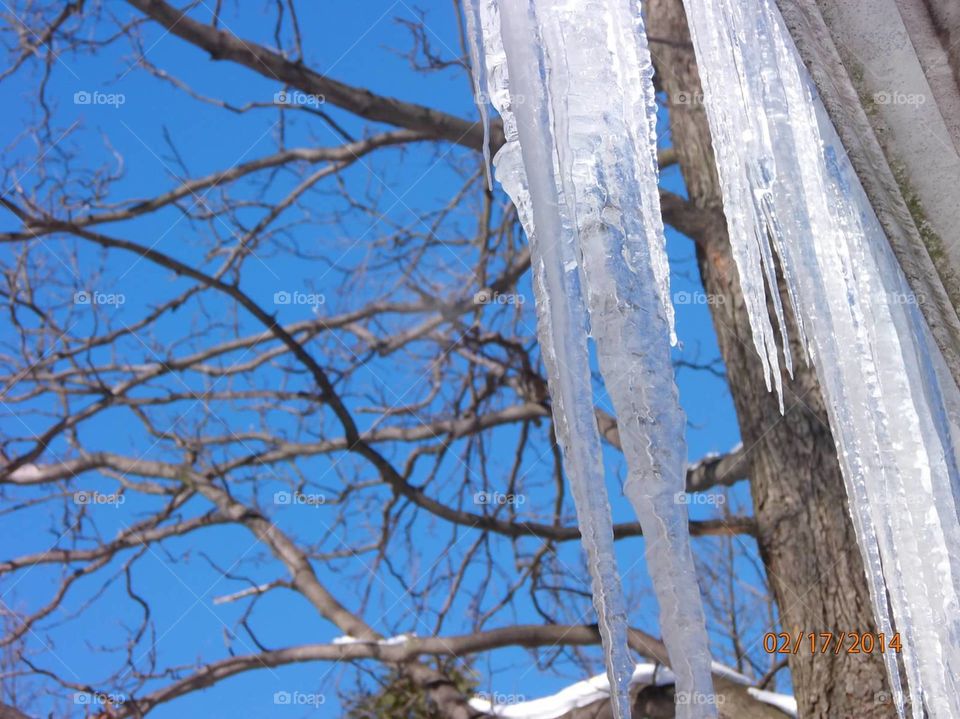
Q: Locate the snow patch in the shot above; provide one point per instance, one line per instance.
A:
(386, 642)
(597, 688)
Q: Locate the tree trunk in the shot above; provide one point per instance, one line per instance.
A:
(805, 533)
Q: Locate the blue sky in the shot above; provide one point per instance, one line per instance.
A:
(359, 43)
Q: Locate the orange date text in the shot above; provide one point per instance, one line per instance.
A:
(830, 642)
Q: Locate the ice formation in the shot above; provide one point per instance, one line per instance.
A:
(561, 318)
(789, 188)
(572, 82)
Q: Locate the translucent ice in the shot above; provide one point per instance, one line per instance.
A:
(788, 187)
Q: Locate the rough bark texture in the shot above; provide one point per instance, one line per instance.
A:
(805, 534)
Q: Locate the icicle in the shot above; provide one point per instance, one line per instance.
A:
(479, 75)
(786, 180)
(560, 310)
(580, 165)
(634, 68)
(609, 178)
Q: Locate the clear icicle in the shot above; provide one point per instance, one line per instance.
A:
(609, 180)
(892, 408)
(560, 309)
(634, 68)
(580, 164)
(471, 12)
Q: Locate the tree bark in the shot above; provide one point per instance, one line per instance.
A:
(804, 530)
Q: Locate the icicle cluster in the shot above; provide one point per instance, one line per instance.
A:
(788, 187)
(572, 82)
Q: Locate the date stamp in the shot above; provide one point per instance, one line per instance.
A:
(830, 642)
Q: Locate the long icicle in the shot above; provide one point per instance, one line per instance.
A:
(594, 203)
(609, 175)
(892, 406)
(525, 169)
